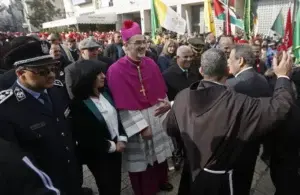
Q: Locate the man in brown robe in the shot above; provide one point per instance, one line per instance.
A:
(215, 122)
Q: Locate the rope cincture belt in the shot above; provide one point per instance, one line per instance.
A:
(222, 173)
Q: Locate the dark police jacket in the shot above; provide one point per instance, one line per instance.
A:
(19, 175)
(42, 133)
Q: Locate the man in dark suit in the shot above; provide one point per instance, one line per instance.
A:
(178, 76)
(246, 81)
(115, 50)
(35, 116)
(89, 51)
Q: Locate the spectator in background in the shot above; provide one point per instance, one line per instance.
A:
(114, 50)
(55, 39)
(162, 40)
(73, 47)
(226, 44)
(55, 52)
(271, 51)
(210, 40)
(264, 48)
(259, 64)
(168, 53)
(150, 51)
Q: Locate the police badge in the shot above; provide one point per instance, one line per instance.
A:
(44, 48)
(19, 93)
(58, 83)
(4, 95)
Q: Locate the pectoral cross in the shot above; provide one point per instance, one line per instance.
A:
(141, 81)
(143, 90)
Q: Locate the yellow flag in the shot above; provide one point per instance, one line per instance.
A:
(209, 17)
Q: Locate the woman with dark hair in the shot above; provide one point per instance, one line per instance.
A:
(97, 127)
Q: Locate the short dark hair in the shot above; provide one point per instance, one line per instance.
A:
(87, 73)
(214, 63)
(245, 51)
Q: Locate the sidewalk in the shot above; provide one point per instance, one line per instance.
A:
(261, 184)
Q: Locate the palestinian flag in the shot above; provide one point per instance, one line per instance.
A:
(220, 12)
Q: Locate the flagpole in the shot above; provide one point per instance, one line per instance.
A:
(294, 13)
(228, 23)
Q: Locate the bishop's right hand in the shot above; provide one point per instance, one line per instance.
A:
(282, 64)
(146, 134)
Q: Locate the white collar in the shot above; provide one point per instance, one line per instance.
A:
(242, 71)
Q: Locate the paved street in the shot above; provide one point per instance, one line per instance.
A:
(261, 184)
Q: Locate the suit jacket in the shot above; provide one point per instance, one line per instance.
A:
(71, 72)
(90, 129)
(253, 84)
(215, 123)
(112, 52)
(176, 80)
(250, 83)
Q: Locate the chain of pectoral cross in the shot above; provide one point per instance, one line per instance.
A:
(141, 80)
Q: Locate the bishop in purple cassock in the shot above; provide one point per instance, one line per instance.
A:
(139, 92)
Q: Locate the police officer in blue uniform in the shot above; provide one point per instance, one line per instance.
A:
(34, 114)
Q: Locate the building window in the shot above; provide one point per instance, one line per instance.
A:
(111, 3)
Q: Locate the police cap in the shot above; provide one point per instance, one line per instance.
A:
(34, 53)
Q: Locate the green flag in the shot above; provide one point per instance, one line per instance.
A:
(154, 22)
(278, 25)
(296, 38)
(248, 18)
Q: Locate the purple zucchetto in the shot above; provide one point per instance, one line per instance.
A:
(130, 29)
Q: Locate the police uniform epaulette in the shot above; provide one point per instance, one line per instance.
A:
(58, 83)
(5, 94)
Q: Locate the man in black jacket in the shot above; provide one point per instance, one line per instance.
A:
(89, 51)
(246, 81)
(178, 76)
(19, 175)
(114, 50)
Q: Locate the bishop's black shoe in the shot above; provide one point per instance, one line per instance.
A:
(87, 191)
(167, 187)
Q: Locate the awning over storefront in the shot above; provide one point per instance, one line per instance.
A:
(85, 19)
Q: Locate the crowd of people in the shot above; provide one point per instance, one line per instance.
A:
(118, 100)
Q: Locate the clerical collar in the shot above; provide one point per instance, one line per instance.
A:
(242, 71)
(133, 61)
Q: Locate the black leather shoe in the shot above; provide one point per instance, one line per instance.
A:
(167, 187)
(87, 191)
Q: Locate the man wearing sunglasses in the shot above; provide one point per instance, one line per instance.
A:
(34, 115)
